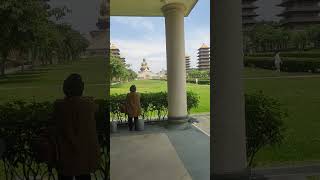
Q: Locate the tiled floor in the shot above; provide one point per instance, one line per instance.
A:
(158, 145)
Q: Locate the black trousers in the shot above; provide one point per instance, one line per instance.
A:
(130, 122)
(81, 177)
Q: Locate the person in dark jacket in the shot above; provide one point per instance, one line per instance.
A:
(76, 134)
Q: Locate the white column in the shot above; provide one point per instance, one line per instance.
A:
(228, 150)
(176, 70)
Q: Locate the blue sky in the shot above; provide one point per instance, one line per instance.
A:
(144, 37)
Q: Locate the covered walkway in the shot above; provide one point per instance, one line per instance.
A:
(162, 151)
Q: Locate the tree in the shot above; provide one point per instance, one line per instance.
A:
(299, 39)
(118, 68)
(313, 34)
(198, 74)
(18, 19)
(132, 75)
(264, 123)
(27, 29)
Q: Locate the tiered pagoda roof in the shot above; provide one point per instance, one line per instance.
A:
(248, 12)
(297, 12)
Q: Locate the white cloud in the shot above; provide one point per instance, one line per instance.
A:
(152, 47)
(135, 50)
(134, 22)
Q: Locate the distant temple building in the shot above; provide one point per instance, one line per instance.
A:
(145, 72)
(204, 57)
(187, 58)
(115, 51)
(98, 39)
(299, 13)
(248, 13)
(162, 74)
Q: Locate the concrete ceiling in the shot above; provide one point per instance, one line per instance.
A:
(145, 7)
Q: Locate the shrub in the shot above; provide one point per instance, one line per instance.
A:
(153, 105)
(264, 123)
(21, 122)
(260, 62)
(200, 81)
(297, 54)
(289, 64)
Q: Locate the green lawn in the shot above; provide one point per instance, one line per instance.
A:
(45, 83)
(302, 99)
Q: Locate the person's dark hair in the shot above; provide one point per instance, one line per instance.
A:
(73, 85)
(133, 88)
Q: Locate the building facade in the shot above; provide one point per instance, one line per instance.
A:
(204, 57)
(115, 51)
(98, 39)
(248, 13)
(300, 13)
(187, 58)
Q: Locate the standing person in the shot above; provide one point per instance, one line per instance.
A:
(76, 134)
(133, 107)
(277, 61)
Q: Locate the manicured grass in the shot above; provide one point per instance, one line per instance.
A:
(256, 72)
(302, 99)
(300, 96)
(313, 178)
(45, 83)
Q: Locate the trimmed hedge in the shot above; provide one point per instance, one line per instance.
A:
(288, 65)
(302, 54)
(200, 81)
(154, 105)
(20, 121)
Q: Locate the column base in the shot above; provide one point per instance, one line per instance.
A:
(178, 118)
(178, 123)
(246, 175)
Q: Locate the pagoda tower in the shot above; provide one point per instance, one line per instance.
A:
(298, 14)
(115, 51)
(99, 39)
(204, 57)
(187, 58)
(248, 13)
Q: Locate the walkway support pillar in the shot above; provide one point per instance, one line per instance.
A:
(228, 150)
(176, 71)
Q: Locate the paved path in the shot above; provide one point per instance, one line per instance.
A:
(145, 157)
(203, 122)
(16, 69)
(195, 156)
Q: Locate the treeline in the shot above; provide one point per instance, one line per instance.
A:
(121, 72)
(266, 37)
(31, 32)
